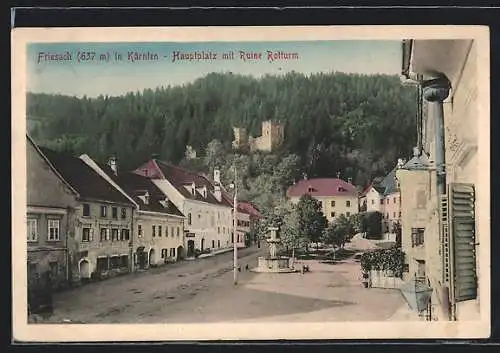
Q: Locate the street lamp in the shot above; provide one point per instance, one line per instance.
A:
(417, 294)
(235, 249)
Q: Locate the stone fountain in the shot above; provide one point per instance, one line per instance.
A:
(273, 263)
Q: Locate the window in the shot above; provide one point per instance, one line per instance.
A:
(348, 214)
(139, 230)
(53, 234)
(124, 213)
(86, 235)
(417, 237)
(218, 243)
(114, 212)
(218, 230)
(159, 231)
(54, 269)
(332, 203)
(153, 231)
(189, 218)
(332, 214)
(178, 231)
(103, 211)
(32, 229)
(163, 253)
(394, 200)
(114, 234)
(373, 202)
(394, 214)
(420, 270)
(213, 243)
(125, 235)
(104, 234)
(381, 201)
(348, 203)
(86, 210)
(421, 199)
(387, 215)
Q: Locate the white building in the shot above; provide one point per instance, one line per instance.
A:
(208, 223)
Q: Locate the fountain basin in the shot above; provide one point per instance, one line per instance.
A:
(273, 265)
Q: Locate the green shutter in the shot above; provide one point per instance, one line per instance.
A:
(462, 227)
(444, 240)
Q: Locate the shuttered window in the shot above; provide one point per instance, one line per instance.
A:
(444, 240)
(462, 216)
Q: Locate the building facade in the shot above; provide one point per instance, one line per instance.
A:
(337, 197)
(449, 125)
(383, 196)
(51, 205)
(99, 245)
(208, 216)
(158, 235)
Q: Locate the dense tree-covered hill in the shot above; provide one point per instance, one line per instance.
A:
(356, 124)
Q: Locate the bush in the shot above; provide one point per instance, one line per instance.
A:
(384, 260)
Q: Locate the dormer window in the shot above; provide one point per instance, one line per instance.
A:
(193, 188)
(310, 189)
(146, 198)
(204, 192)
(164, 202)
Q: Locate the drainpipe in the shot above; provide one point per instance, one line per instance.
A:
(436, 91)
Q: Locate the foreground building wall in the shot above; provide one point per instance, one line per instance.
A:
(452, 268)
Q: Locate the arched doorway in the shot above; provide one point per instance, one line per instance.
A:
(152, 257)
(190, 249)
(141, 257)
(84, 268)
(180, 252)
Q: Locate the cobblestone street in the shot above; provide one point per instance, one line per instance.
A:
(202, 291)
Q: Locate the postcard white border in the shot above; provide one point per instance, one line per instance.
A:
(238, 331)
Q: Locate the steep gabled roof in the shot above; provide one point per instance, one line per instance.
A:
(51, 166)
(249, 208)
(136, 186)
(86, 181)
(389, 183)
(322, 187)
(180, 178)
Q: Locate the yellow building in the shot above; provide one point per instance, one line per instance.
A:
(337, 197)
(447, 189)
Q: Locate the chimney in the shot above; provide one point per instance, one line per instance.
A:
(349, 180)
(305, 176)
(217, 176)
(193, 188)
(112, 164)
(218, 192)
(338, 175)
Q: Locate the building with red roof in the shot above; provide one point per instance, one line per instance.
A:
(337, 196)
(208, 224)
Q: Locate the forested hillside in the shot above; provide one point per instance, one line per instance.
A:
(358, 125)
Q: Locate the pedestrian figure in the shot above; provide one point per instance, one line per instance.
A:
(246, 267)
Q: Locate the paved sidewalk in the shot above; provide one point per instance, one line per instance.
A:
(404, 313)
(328, 293)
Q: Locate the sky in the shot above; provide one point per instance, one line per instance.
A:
(93, 69)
